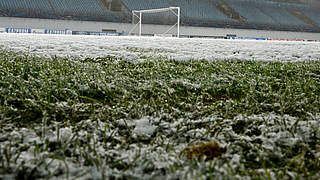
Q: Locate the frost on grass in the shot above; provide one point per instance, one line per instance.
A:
(144, 128)
(134, 48)
(110, 152)
(114, 119)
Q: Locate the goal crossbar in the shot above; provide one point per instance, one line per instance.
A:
(138, 14)
(154, 10)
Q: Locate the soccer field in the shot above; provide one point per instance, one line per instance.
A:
(88, 107)
(136, 48)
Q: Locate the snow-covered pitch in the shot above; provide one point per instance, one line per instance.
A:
(130, 48)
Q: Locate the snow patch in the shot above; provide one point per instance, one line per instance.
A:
(134, 48)
(144, 128)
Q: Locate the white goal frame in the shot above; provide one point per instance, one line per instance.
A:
(138, 14)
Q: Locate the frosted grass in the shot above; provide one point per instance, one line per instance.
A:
(95, 118)
(133, 48)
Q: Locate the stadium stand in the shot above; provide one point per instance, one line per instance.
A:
(83, 9)
(257, 14)
(201, 12)
(277, 12)
(35, 8)
(250, 12)
(26, 5)
(310, 13)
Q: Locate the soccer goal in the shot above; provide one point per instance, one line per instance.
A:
(139, 15)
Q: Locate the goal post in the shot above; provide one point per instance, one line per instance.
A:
(139, 15)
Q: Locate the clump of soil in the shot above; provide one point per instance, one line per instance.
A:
(209, 150)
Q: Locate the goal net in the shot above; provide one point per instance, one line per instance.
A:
(168, 16)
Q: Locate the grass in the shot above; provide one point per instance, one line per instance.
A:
(77, 118)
